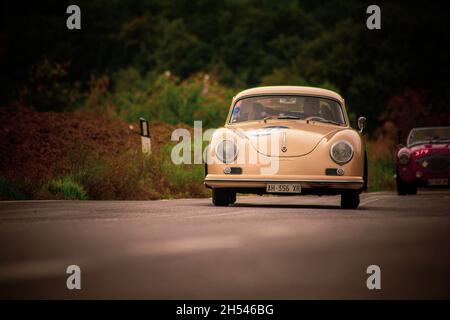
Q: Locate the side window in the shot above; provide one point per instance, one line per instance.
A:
(236, 113)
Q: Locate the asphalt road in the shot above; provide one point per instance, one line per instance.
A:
(259, 248)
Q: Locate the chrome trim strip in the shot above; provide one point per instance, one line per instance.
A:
(284, 146)
(286, 181)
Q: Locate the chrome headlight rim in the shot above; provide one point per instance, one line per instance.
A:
(341, 162)
(219, 154)
(403, 157)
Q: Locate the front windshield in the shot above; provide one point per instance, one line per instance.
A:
(287, 107)
(427, 135)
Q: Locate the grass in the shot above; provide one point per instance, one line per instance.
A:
(184, 180)
(10, 190)
(132, 175)
(381, 163)
(67, 188)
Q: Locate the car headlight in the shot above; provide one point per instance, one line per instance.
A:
(341, 152)
(226, 151)
(403, 157)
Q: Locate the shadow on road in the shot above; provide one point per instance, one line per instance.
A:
(285, 206)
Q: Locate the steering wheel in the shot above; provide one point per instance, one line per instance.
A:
(314, 117)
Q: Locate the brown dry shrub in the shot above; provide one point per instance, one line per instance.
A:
(101, 154)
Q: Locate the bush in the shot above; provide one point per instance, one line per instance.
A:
(134, 176)
(381, 165)
(10, 190)
(49, 87)
(81, 155)
(184, 180)
(170, 100)
(67, 188)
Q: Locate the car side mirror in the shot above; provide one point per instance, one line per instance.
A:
(361, 124)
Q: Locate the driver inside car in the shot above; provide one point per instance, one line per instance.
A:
(256, 111)
(311, 107)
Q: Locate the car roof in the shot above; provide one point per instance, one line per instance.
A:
(289, 90)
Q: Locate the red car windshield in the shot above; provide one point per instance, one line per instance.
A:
(429, 135)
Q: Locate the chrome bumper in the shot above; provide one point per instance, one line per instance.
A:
(261, 183)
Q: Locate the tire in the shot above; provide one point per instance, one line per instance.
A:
(350, 199)
(223, 197)
(411, 188)
(366, 174)
(232, 197)
(402, 186)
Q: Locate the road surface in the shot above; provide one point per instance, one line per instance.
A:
(259, 248)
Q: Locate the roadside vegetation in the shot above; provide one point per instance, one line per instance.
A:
(81, 155)
(92, 149)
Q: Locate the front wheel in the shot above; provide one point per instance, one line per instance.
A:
(223, 197)
(404, 188)
(412, 188)
(350, 199)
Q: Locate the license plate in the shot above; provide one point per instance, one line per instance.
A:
(437, 182)
(284, 188)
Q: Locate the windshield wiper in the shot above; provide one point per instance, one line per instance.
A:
(327, 121)
(281, 117)
(288, 117)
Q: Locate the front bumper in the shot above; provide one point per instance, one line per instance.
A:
(307, 182)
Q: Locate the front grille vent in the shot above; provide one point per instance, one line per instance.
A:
(435, 162)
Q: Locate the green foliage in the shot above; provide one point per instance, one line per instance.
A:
(10, 190)
(184, 179)
(169, 99)
(49, 88)
(98, 99)
(381, 164)
(110, 177)
(133, 175)
(240, 44)
(67, 188)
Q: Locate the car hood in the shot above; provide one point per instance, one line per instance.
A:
(298, 138)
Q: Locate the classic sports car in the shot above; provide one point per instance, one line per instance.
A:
(287, 140)
(425, 161)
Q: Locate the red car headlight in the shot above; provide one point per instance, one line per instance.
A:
(403, 157)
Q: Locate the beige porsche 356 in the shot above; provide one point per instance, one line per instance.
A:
(287, 141)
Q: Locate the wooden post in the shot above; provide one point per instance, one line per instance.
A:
(145, 136)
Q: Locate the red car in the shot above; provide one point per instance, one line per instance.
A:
(424, 161)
